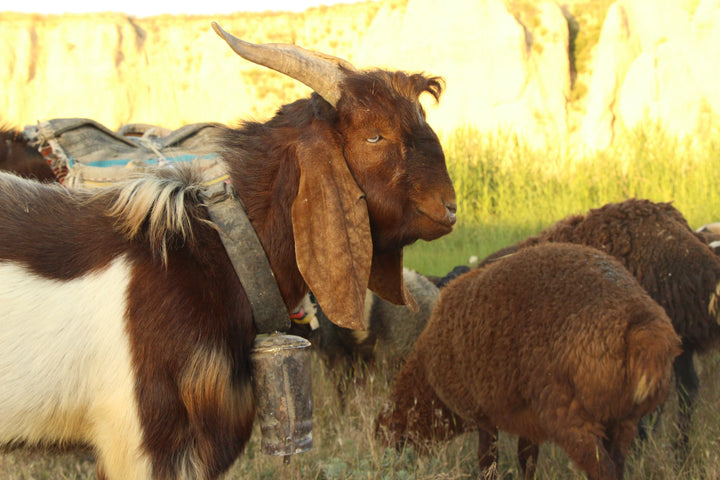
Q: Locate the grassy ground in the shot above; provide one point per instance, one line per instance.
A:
(345, 448)
(506, 191)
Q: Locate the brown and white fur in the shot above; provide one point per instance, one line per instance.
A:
(123, 325)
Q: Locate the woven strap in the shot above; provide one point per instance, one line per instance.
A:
(248, 258)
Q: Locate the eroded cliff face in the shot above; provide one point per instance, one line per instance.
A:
(656, 60)
(117, 70)
(501, 72)
(169, 70)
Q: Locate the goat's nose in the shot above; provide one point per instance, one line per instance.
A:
(451, 209)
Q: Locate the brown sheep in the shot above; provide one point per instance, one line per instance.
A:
(673, 263)
(557, 343)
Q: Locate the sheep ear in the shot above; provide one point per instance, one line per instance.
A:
(387, 281)
(333, 245)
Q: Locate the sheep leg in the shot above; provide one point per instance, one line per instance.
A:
(488, 453)
(688, 385)
(618, 442)
(527, 457)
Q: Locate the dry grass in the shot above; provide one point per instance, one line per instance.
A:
(39, 465)
(345, 448)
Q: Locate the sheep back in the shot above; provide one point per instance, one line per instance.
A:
(656, 244)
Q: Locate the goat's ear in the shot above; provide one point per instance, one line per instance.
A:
(333, 245)
(387, 281)
(323, 110)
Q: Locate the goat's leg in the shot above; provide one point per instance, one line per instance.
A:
(344, 375)
(99, 471)
(116, 436)
(527, 457)
(688, 385)
(649, 422)
(488, 453)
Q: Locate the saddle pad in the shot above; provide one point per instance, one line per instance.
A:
(84, 153)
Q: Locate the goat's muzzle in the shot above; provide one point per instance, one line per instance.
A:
(439, 219)
(451, 211)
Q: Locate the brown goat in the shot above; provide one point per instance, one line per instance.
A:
(138, 327)
(18, 157)
(557, 342)
(673, 263)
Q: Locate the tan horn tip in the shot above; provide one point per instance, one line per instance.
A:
(225, 35)
(218, 29)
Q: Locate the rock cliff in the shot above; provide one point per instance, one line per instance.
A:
(659, 61)
(499, 74)
(508, 65)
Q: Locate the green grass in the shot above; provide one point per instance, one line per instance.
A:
(507, 190)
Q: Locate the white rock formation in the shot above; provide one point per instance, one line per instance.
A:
(499, 75)
(657, 61)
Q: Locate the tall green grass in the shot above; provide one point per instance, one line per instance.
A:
(508, 190)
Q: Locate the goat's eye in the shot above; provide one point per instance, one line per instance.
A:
(374, 139)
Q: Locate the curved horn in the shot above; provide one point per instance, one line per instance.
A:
(321, 72)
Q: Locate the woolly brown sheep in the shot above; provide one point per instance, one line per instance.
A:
(557, 342)
(671, 261)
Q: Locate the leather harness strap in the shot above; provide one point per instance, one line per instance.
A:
(248, 257)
